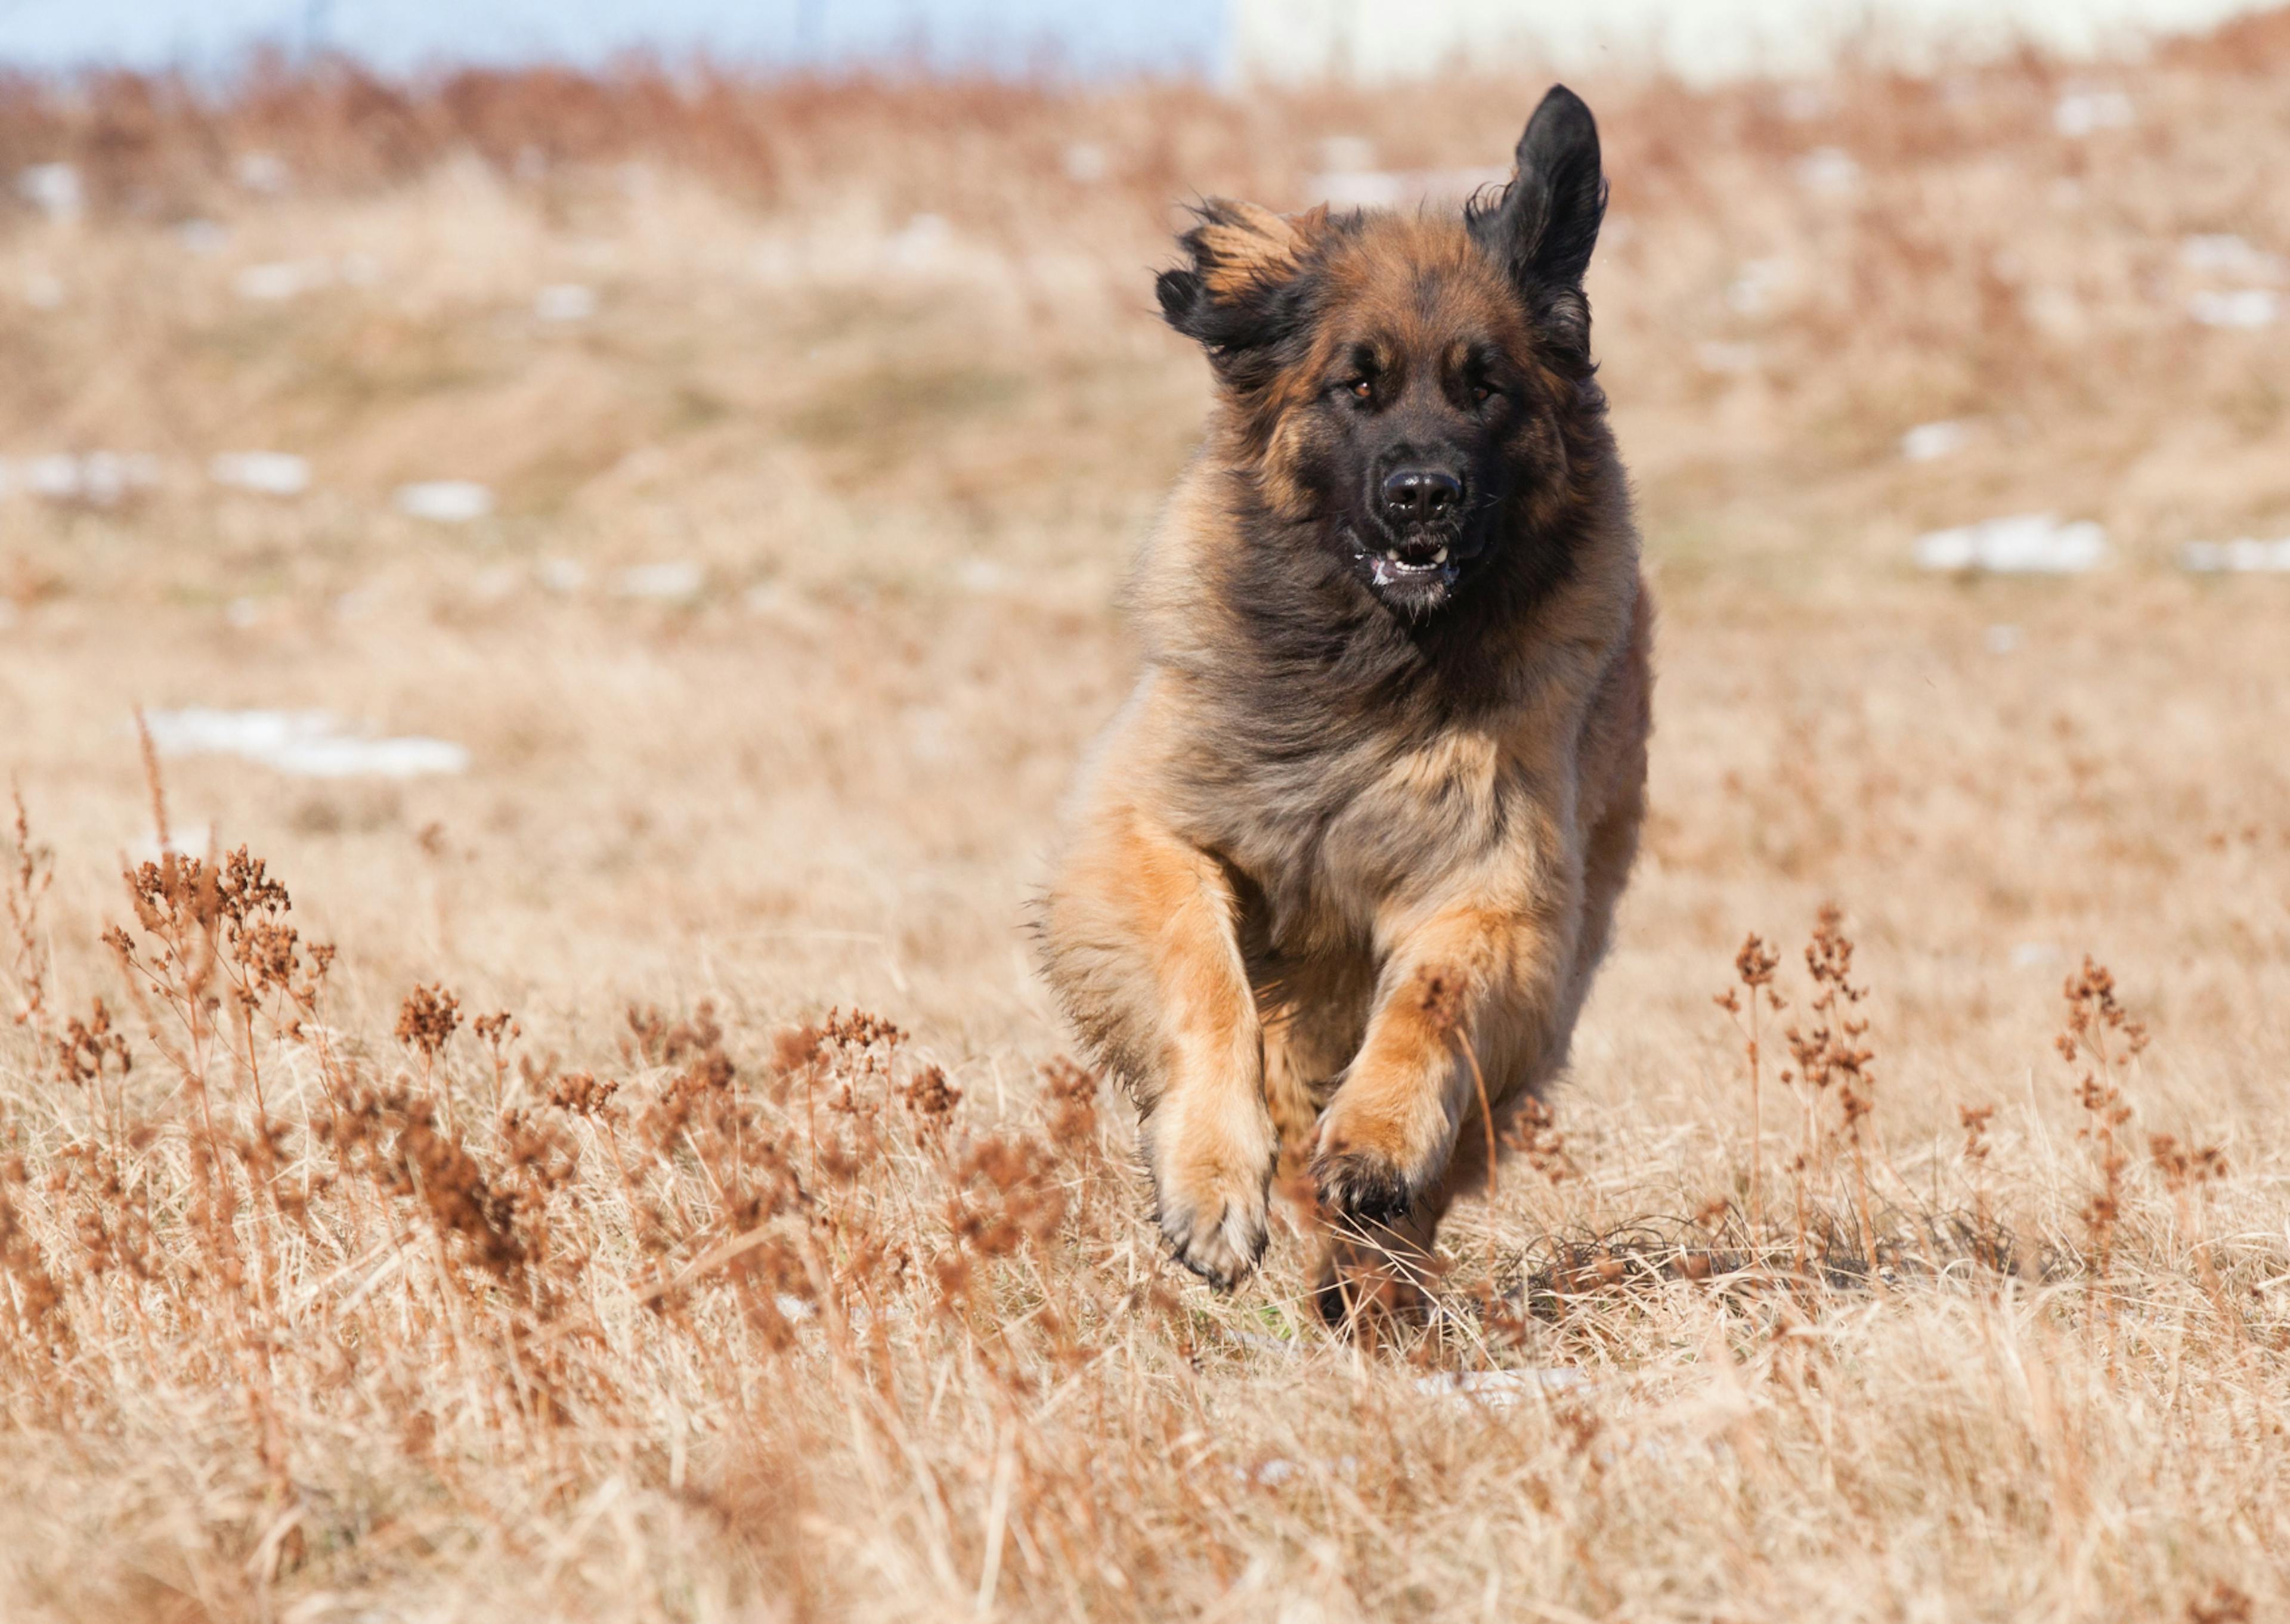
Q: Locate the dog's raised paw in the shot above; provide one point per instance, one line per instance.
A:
(1220, 1241)
(1364, 1185)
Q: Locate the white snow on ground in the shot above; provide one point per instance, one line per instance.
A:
(565, 301)
(2248, 556)
(2223, 253)
(2235, 307)
(445, 501)
(563, 574)
(2081, 113)
(1086, 162)
(673, 581)
(1829, 172)
(266, 473)
(1722, 355)
(52, 188)
(262, 171)
(300, 743)
(2024, 544)
(99, 477)
(1929, 442)
(1501, 1389)
(281, 279)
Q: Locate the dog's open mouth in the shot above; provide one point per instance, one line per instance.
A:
(1396, 567)
(1419, 562)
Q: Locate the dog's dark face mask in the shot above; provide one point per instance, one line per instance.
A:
(1400, 380)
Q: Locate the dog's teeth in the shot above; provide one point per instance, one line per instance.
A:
(1440, 557)
(1392, 553)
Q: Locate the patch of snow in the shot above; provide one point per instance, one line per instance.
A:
(262, 171)
(44, 290)
(300, 744)
(2221, 253)
(1804, 103)
(195, 838)
(101, 478)
(445, 501)
(1930, 442)
(1086, 162)
(2056, 312)
(1501, 1389)
(266, 473)
(565, 301)
(773, 599)
(1274, 1345)
(2246, 555)
(1726, 358)
(54, 189)
(919, 244)
(563, 574)
(2242, 307)
(281, 279)
(1277, 1469)
(204, 237)
(1751, 291)
(677, 581)
(1829, 172)
(2002, 639)
(2035, 954)
(497, 584)
(1346, 152)
(2081, 113)
(2024, 544)
(55, 476)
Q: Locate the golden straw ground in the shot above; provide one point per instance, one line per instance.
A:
(752, 1314)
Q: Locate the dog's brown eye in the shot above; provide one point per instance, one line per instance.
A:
(1482, 394)
(1362, 389)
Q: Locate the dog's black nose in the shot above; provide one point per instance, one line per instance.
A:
(1422, 496)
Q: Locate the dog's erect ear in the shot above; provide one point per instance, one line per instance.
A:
(1546, 222)
(1239, 294)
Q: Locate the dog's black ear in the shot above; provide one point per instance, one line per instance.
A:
(1545, 223)
(1239, 295)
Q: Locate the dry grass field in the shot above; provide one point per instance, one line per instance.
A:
(665, 1195)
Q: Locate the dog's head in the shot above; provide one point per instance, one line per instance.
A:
(1405, 385)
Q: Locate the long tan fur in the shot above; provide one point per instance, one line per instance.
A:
(1324, 896)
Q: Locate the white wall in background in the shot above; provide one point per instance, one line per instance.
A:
(1009, 36)
(1703, 41)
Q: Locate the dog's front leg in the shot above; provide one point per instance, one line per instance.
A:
(1140, 946)
(1469, 1000)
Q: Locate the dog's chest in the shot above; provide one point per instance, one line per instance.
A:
(1333, 838)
